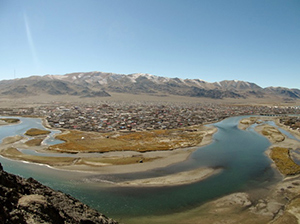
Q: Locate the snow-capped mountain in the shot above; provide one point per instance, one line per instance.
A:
(92, 84)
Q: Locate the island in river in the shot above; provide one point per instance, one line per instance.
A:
(105, 153)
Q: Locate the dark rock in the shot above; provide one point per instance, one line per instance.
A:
(28, 201)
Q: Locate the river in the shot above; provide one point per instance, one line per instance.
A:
(239, 152)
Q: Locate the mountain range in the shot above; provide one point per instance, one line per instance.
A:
(101, 84)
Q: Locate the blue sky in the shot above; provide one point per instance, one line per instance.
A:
(213, 40)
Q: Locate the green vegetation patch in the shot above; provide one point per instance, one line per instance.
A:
(10, 120)
(36, 131)
(282, 159)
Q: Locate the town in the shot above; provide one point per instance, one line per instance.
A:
(137, 116)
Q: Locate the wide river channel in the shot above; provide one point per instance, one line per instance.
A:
(239, 153)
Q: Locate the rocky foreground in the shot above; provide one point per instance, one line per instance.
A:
(28, 201)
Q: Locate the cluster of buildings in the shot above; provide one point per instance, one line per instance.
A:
(16, 111)
(107, 117)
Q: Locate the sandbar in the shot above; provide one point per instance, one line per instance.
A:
(180, 178)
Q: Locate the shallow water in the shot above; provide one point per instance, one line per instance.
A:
(23, 126)
(240, 154)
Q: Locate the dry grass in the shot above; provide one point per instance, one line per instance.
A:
(13, 153)
(157, 140)
(10, 120)
(273, 134)
(78, 141)
(282, 159)
(34, 142)
(36, 132)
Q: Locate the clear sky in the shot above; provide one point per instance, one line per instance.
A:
(213, 40)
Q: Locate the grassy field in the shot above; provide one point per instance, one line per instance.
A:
(273, 134)
(34, 142)
(13, 153)
(156, 140)
(284, 163)
(280, 155)
(78, 141)
(10, 120)
(36, 132)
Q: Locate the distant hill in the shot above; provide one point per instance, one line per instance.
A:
(101, 84)
(36, 85)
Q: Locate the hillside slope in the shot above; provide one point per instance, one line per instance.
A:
(28, 201)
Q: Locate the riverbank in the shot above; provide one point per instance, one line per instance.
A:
(275, 203)
(285, 194)
(283, 148)
(112, 162)
(7, 121)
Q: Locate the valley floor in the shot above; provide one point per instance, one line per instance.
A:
(278, 203)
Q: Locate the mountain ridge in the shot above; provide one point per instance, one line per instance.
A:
(102, 84)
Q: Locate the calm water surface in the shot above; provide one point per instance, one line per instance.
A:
(240, 154)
